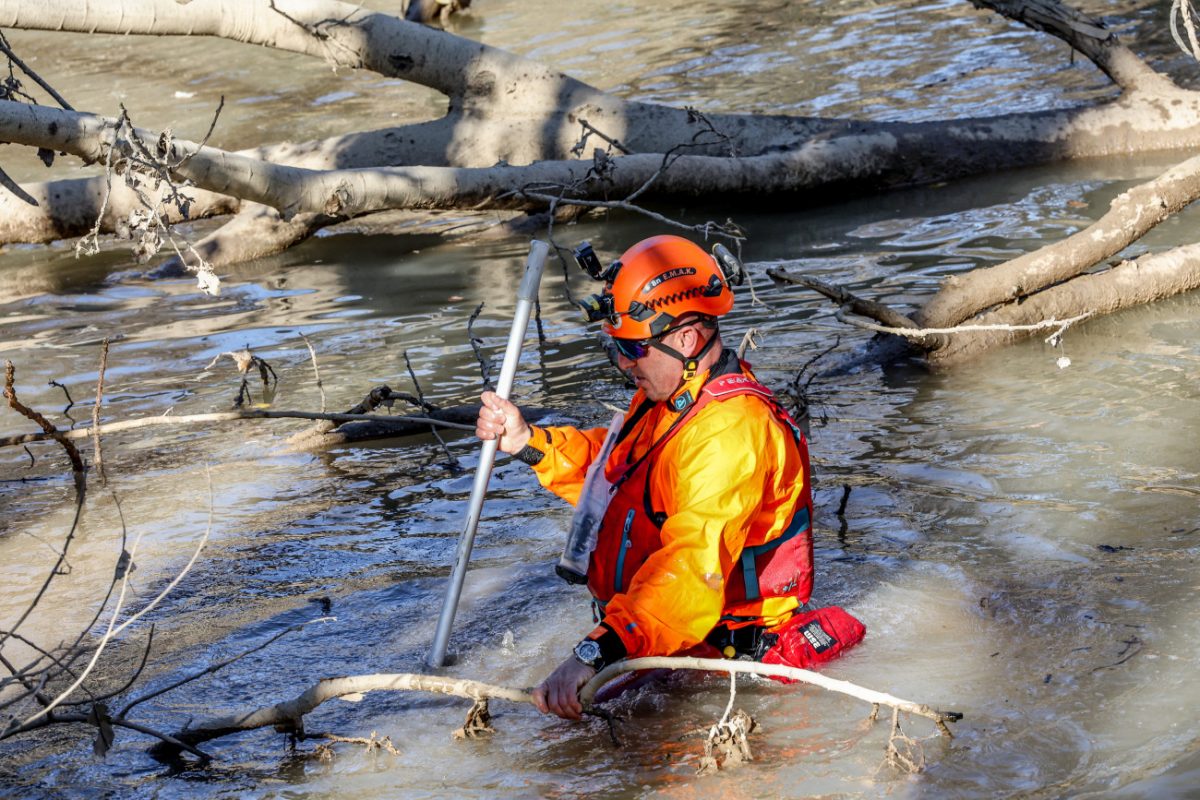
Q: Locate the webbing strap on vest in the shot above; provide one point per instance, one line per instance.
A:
(727, 366)
(717, 389)
(721, 388)
(800, 522)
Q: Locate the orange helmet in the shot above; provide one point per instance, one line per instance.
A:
(658, 281)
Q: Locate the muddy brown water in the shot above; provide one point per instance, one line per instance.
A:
(1020, 538)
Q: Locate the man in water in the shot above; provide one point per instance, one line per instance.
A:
(705, 546)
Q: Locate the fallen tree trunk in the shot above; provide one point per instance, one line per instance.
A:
(509, 111)
(514, 131)
(69, 208)
(865, 158)
(1129, 284)
(1060, 281)
(1130, 216)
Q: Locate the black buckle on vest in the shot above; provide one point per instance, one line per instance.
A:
(750, 642)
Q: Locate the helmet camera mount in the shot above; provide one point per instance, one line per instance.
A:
(596, 307)
(589, 262)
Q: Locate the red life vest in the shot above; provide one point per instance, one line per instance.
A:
(630, 533)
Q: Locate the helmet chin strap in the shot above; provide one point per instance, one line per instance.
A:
(691, 364)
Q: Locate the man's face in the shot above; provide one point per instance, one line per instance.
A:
(656, 373)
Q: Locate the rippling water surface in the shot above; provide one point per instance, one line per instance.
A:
(1020, 539)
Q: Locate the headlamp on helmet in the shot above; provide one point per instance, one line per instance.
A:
(597, 307)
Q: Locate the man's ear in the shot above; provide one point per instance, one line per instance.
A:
(689, 337)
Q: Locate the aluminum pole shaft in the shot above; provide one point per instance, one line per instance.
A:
(526, 297)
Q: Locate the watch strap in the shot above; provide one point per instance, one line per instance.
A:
(612, 649)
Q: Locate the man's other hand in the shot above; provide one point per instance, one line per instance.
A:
(559, 693)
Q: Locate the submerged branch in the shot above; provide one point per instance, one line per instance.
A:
(289, 714)
(846, 299)
(216, 666)
(588, 692)
(120, 722)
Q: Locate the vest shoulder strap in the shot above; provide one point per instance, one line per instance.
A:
(718, 389)
(727, 386)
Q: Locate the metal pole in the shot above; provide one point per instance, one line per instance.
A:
(526, 297)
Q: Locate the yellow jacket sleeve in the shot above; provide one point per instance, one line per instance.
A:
(709, 481)
(567, 453)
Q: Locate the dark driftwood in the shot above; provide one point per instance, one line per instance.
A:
(368, 430)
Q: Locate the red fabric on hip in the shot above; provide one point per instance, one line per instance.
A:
(813, 638)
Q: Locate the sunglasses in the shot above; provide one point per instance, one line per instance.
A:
(633, 349)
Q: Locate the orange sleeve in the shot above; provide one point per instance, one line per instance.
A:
(711, 481)
(567, 452)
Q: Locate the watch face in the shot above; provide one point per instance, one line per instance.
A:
(588, 652)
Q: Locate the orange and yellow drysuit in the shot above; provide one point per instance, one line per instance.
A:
(709, 522)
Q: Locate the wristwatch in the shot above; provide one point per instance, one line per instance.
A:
(587, 652)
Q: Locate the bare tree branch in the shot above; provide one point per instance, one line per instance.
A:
(98, 457)
(51, 432)
(8, 52)
(114, 629)
(137, 673)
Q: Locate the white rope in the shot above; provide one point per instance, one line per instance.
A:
(917, 333)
